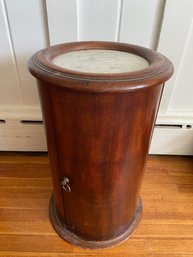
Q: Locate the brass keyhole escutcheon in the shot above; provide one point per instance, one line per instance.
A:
(65, 185)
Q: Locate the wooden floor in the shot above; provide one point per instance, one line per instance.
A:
(166, 228)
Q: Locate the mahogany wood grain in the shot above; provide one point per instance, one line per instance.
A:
(98, 130)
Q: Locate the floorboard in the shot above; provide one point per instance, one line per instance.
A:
(166, 228)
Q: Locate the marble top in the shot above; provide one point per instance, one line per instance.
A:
(100, 61)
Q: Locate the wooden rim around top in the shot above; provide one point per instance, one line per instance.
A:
(159, 70)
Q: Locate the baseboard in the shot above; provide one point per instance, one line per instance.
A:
(172, 141)
(173, 134)
(22, 130)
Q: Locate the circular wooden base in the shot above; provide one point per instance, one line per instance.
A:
(78, 241)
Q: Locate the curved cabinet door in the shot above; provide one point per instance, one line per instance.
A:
(102, 147)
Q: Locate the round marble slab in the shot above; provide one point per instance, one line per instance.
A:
(100, 61)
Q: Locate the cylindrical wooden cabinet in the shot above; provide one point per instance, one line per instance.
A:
(99, 102)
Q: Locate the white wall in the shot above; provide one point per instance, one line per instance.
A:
(176, 42)
(22, 32)
(111, 20)
(27, 26)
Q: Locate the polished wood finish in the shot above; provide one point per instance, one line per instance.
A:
(166, 229)
(98, 132)
(82, 242)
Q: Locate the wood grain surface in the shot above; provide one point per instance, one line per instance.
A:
(96, 142)
(166, 228)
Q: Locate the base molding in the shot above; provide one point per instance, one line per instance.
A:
(173, 134)
(21, 129)
(78, 241)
